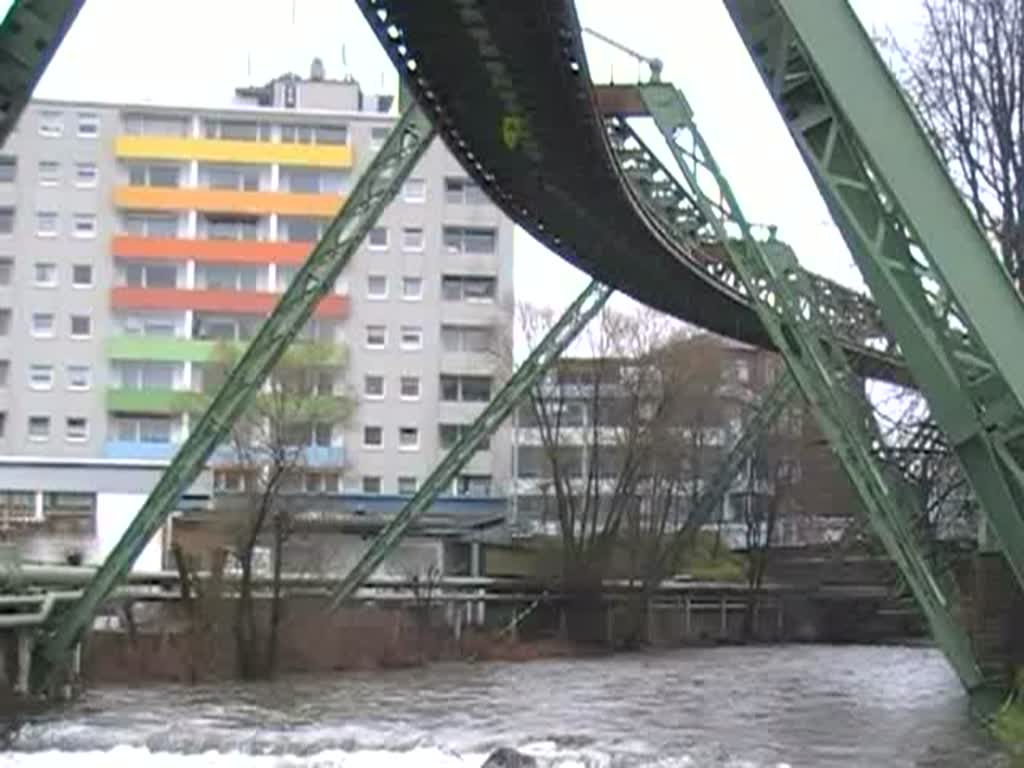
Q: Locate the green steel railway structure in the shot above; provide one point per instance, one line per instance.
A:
(507, 87)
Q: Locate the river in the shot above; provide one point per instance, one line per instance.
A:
(723, 707)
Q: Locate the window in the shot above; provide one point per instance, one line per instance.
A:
(81, 275)
(371, 484)
(39, 428)
(44, 274)
(376, 336)
(229, 277)
(473, 485)
(412, 239)
(143, 429)
(467, 389)
(463, 192)
(301, 229)
(145, 375)
(51, 124)
(44, 326)
(3, 423)
(414, 190)
(467, 338)
(373, 386)
(322, 482)
(469, 240)
(6, 270)
(151, 324)
(408, 438)
(314, 134)
(468, 288)
(88, 125)
(411, 337)
(46, 223)
(8, 169)
(136, 124)
(151, 224)
(314, 181)
(373, 437)
(228, 227)
(378, 238)
(49, 173)
(5, 373)
(83, 225)
(148, 275)
(449, 434)
(229, 328)
(409, 387)
(86, 174)
(81, 326)
(238, 178)
(5, 321)
(6, 221)
(407, 485)
(76, 429)
(378, 135)
(40, 376)
(237, 130)
(376, 287)
(79, 377)
(412, 288)
(153, 175)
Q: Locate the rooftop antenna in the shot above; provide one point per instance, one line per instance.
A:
(654, 64)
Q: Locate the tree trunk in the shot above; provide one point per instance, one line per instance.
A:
(275, 603)
(245, 621)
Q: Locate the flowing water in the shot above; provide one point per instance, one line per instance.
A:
(750, 707)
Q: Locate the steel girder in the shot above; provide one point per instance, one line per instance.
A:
(942, 292)
(773, 277)
(30, 34)
(376, 187)
(573, 320)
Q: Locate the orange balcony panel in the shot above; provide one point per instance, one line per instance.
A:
(227, 302)
(226, 201)
(203, 251)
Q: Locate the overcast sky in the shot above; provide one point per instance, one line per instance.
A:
(195, 52)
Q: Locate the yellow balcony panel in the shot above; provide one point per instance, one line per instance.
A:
(226, 201)
(227, 151)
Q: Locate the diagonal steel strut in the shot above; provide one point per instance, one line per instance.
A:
(786, 307)
(573, 320)
(942, 293)
(376, 187)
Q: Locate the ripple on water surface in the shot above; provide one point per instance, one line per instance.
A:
(758, 707)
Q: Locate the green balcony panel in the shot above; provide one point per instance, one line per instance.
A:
(165, 349)
(149, 400)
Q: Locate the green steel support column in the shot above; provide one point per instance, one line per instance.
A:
(580, 312)
(375, 189)
(942, 293)
(785, 304)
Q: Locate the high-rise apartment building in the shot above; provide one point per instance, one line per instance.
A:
(135, 238)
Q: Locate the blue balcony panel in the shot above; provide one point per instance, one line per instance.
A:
(128, 449)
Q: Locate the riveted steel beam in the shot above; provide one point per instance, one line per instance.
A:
(783, 300)
(942, 293)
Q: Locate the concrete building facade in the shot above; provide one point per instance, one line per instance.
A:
(135, 239)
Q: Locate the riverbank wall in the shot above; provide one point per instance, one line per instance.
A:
(160, 642)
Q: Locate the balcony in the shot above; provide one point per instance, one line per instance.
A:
(160, 348)
(226, 201)
(228, 151)
(215, 300)
(125, 449)
(313, 456)
(149, 400)
(209, 251)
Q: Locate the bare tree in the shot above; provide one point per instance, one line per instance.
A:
(262, 466)
(966, 79)
(622, 432)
